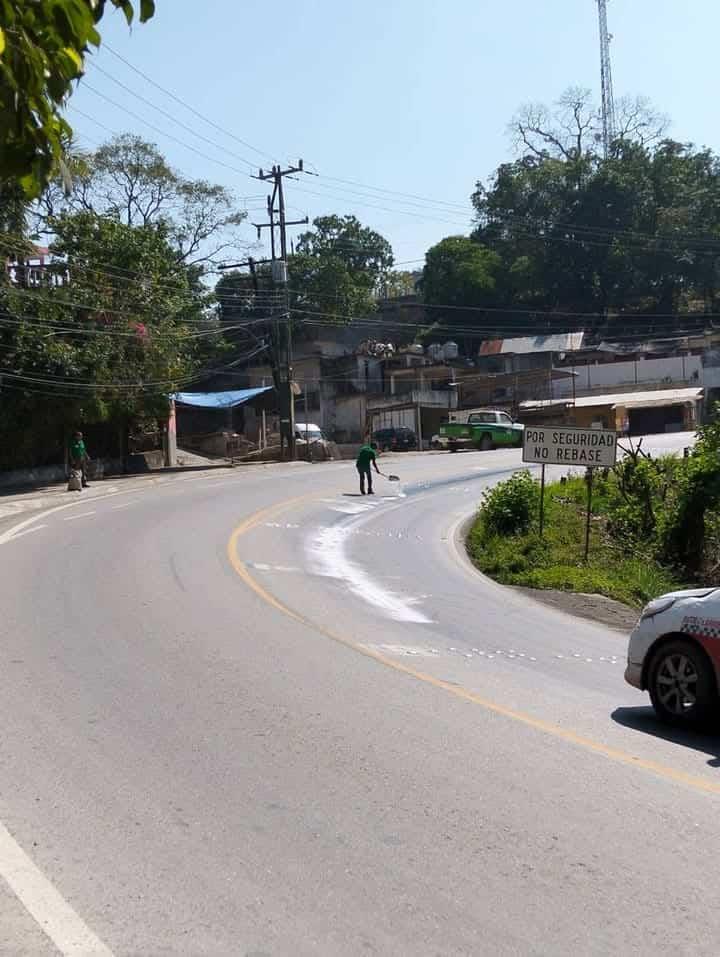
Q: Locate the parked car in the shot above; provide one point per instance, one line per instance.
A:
(439, 442)
(395, 440)
(307, 431)
(674, 654)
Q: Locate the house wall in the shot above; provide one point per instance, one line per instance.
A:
(345, 420)
(605, 377)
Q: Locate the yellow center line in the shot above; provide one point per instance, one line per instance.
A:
(457, 691)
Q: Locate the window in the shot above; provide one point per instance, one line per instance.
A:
(481, 417)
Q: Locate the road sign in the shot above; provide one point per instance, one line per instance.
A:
(563, 445)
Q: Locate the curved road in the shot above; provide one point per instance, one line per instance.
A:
(256, 714)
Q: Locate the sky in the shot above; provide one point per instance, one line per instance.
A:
(391, 97)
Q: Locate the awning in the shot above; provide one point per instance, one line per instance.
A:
(627, 400)
(219, 400)
(655, 403)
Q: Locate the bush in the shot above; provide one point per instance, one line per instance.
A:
(697, 496)
(511, 506)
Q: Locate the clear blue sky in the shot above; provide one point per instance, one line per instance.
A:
(407, 95)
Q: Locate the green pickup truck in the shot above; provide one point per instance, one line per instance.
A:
(481, 429)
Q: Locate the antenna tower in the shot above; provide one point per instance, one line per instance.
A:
(608, 99)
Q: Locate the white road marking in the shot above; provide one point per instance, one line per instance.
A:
(124, 505)
(414, 650)
(74, 518)
(264, 567)
(352, 508)
(28, 531)
(53, 914)
(327, 550)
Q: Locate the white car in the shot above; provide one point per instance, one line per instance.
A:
(674, 653)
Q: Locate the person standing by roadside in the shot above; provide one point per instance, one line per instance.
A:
(366, 458)
(79, 457)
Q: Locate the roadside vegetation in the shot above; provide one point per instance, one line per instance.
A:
(655, 527)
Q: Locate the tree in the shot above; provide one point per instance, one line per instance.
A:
(108, 344)
(572, 127)
(635, 233)
(43, 45)
(338, 268)
(130, 180)
(459, 272)
(398, 283)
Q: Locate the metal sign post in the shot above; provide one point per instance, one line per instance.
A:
(574, 447)
(589, 480)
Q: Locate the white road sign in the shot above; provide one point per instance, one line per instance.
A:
(561, 445)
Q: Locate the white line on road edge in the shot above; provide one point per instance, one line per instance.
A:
(55, 917)
(28, 531)
(73, 518)
(13, 532)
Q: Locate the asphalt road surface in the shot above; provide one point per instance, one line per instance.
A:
(257, 714)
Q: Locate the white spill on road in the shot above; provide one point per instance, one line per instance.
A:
(327, 554)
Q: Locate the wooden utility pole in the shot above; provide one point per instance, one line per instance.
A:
(276, 207)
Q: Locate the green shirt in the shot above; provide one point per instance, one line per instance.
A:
(366, 455)
(77, 450)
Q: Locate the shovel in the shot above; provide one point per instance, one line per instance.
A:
(391, 478)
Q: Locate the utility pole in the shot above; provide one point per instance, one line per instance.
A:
(276, 208)
(608, 97)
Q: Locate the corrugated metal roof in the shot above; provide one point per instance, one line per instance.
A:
(218, 400)
(559, 342)
(630, 400)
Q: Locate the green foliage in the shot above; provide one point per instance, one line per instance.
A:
(510, 507)
(643, 487)
(129, 179)
(338, 269)
(631, 233)
(697, 494)
(42, 52)
(459, 272)
(397, 283)
(624, 570)
(108, 346)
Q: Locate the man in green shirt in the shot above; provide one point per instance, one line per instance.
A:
(79, 457)
(366, 458)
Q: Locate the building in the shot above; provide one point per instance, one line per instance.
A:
(632, 413)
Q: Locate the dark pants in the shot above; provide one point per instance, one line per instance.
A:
(80, 465)
(365, 473)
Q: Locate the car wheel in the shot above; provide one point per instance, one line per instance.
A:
(452, 447)
(485, 443)
(682, 685)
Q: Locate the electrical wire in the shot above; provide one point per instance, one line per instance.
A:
(187, 106)
(164, 133)
(184, 126)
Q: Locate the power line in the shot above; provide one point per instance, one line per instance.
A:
(260, 152)
(172, 118)
(162, 132)
(173, 96)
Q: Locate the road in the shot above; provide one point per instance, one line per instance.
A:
(256, 714)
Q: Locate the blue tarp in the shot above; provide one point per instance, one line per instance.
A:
(218, 400)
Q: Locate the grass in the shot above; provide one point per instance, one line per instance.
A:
(557, 560)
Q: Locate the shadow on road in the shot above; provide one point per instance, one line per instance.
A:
(644, 720)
